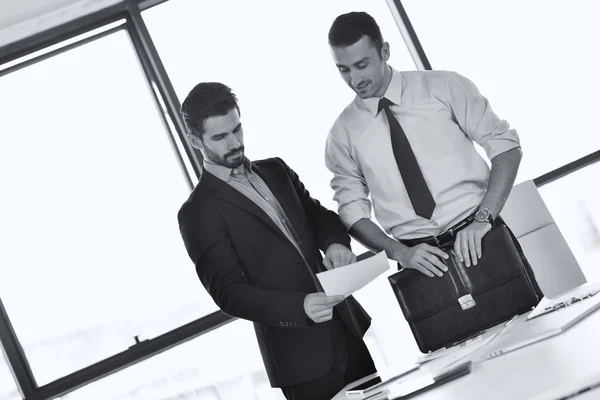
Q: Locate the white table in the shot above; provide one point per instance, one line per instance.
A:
(547, 370)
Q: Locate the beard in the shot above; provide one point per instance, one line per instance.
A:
(232, 160)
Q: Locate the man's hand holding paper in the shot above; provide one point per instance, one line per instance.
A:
(350, 278)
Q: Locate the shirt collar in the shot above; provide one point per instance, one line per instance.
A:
(393, 93)
(224, 173)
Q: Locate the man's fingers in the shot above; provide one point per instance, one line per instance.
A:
(473, 249)
(423, 270)
(430, 267)
(327, 301)
(348, 258)
(335, 259)
(327, 263)
(478, 246)
(322, 314)
(457, 250)
(436, 251)
(464, 250)
(439, 264)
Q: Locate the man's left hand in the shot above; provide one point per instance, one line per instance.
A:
(338, 255)
(467, 246)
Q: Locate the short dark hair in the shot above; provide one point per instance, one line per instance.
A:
(349, 28)
(205, 100)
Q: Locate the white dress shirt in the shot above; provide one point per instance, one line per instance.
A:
(442, 113)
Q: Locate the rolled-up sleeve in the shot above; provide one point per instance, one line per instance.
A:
(350, 189)
(474, 115)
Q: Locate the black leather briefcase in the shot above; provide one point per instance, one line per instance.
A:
(442, 311)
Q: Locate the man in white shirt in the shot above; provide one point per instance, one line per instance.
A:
(407, 140)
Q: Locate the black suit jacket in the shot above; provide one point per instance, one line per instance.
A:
(252, 271)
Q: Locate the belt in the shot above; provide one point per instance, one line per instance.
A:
(443, 239)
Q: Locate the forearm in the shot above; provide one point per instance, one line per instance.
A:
(273, 308)
(329, 230)
(375, 239)
(502, 178)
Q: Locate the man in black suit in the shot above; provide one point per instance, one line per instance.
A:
(254, 234)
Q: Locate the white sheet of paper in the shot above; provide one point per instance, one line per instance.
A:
(350, 278)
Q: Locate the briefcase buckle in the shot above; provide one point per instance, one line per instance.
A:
(466, 302)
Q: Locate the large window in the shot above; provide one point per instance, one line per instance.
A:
(91, 251)
(221, 364)
(534, 60)
(574, 203)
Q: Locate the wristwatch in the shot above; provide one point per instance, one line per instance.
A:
(484, 215)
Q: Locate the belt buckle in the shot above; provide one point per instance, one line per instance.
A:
(444, 244)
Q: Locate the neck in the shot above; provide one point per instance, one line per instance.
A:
(387, 78)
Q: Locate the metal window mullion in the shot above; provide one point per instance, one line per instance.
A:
(15, 356)
(409, 35)
(135, 354)
(162, 90)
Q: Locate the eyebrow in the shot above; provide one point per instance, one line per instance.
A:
(356, 63)
(225, 133)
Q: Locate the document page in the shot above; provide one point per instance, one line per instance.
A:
(350, 278)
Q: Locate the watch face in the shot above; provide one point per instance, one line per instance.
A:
(482, 215)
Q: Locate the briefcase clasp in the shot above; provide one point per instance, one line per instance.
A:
(466, 302)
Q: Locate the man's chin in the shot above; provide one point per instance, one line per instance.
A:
(364, 95)
(235, 161)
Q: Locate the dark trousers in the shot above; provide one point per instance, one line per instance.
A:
(351, 361)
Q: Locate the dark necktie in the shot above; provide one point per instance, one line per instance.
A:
(418, 192)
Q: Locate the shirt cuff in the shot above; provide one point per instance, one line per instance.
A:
(499, 146)
(353, 212)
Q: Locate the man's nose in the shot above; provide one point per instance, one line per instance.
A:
(233, 142)
(355, 78)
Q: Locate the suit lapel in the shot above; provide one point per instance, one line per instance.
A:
(232, 196)
(283, 197)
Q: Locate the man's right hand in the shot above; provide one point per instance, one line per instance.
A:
(424, 258)
(319, 306)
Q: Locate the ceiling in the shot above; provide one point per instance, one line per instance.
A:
(13, 12)
(22, 18)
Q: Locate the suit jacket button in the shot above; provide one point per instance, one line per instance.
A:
(301, 264)
(280, 323)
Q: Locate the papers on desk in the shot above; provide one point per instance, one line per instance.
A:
(350, 278)
(457, 351)
(580, 293)
(533, 330)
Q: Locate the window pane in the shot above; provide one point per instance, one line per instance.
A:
(91, 252)
(534, 60)
(220, 365)
(276, 58)
(575, 205)
(8, 386)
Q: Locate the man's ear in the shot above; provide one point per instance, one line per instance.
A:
(195, 141)
(385, 51)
